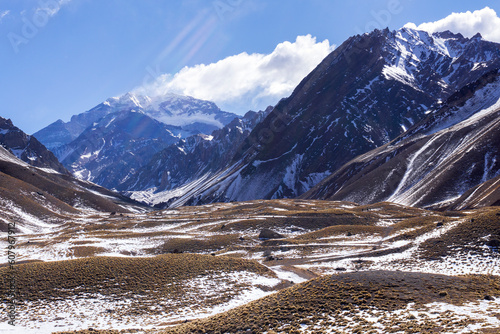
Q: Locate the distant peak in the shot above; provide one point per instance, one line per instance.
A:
(130, 97)
(477, 36)
(448, 35)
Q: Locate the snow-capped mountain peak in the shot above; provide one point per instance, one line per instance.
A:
(171, 109)
(128, 100)
(191, 115)
(110, 141)
(411, 56)
(174, 109)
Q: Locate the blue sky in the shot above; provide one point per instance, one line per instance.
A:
(62, 57)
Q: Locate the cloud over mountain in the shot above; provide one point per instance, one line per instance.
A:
(246, 81)
(484, 21)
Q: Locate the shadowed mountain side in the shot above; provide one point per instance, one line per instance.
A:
(27, 148)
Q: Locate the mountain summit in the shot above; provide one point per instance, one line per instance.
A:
(186, 116)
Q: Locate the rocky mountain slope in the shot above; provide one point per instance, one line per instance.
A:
(367, 92)
(37, 199)
(194, 157)
(108, 152)
(185, 115)
(27, 148)
(434, 163)
(485, 194)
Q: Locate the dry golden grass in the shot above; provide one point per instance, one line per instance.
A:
(394, 210)
(209, 244)
(59, 189)
(416, 222)
(92, 331)
(313, 221)
(469, 236)
(342, 230)
(411, 228)
(26, 196)
(312, 228)
(119, 276)
(86, 251)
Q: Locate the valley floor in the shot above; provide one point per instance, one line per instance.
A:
(279, 266)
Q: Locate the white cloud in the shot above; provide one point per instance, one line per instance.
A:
(3, 14)
(246, 81)
(484, 21)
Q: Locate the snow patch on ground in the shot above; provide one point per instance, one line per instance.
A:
(287, 275)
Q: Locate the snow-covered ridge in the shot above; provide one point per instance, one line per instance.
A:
(489, 101)
(185, 116)
(390, 81)
(109, 142)
(413, 47)
(171, 109)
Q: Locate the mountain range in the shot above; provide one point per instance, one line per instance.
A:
(27, 148)
(192, 159)
(367, 92)
(38, 198)
(108, 143)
